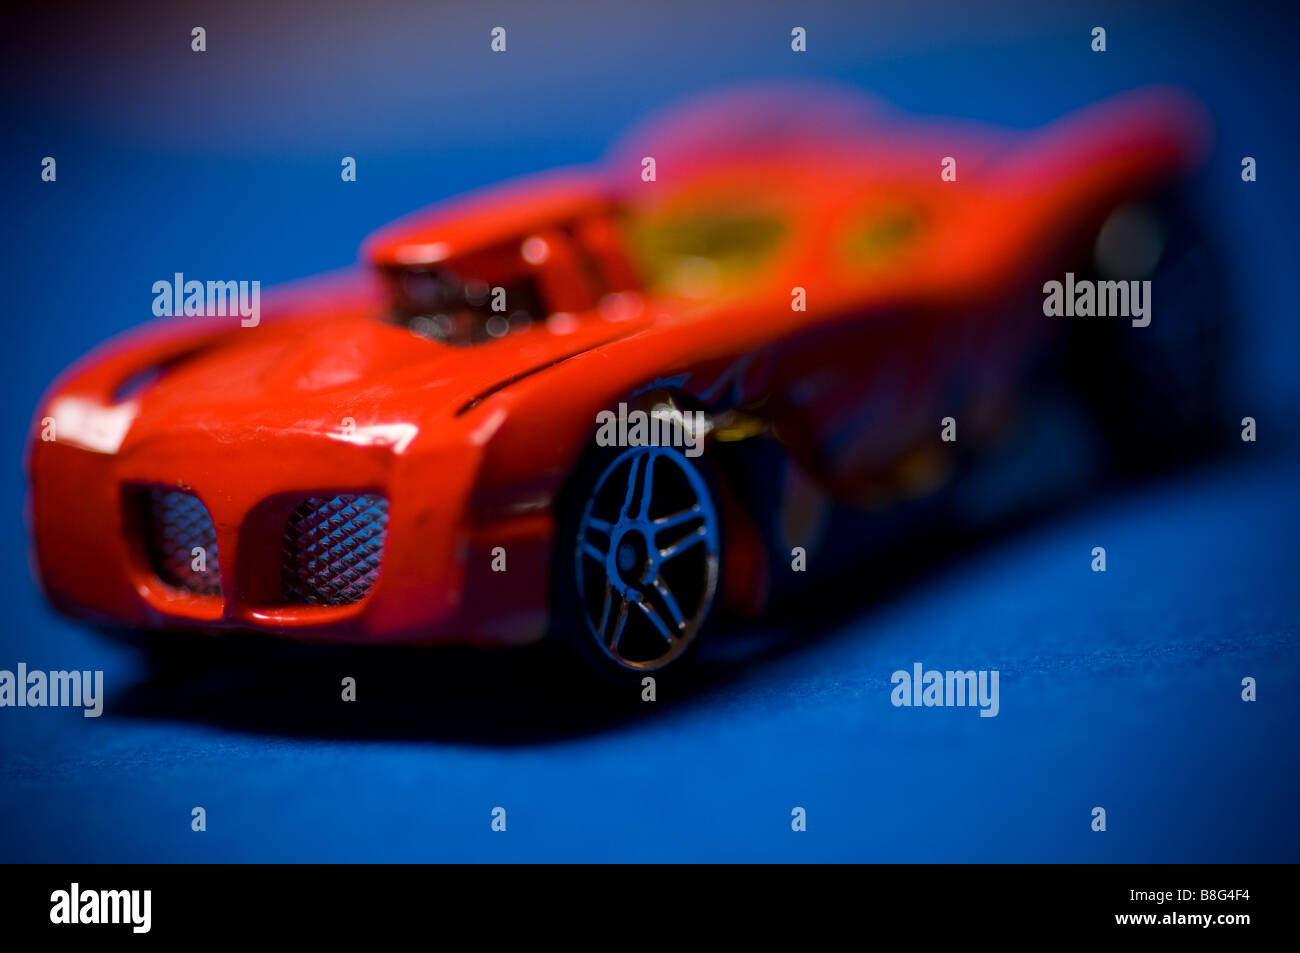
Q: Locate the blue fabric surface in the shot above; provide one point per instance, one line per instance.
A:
(1119, 690)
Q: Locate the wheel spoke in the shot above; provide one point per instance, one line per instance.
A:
(594, 552)
(658, 623)
(618, 626)
(647, 485)
(670, 603)
(631, 487)
(599, 525)
(604, 612)
(676, 519)
(683, 544)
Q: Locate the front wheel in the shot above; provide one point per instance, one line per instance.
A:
(639, 558)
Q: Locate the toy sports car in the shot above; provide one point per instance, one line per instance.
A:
(614, 402)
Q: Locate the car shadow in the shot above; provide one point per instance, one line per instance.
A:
(521, 696)
(508, 697)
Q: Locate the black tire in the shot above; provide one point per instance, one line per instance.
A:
(1158, 391)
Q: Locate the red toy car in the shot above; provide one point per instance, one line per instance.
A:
(442, 446)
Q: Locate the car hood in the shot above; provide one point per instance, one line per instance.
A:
(304, 377)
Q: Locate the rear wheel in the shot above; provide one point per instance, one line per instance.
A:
(1158, 390)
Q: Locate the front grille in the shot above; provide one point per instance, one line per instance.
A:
(332, 548)
(176, 524)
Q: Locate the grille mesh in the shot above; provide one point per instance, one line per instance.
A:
(332, 548)
(175, 523)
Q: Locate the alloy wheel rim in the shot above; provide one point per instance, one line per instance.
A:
(647, 557)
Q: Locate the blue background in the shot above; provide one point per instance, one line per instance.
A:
(1119, 689)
